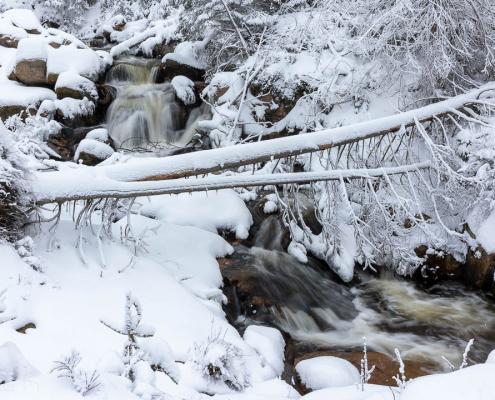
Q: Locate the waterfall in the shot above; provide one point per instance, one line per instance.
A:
(147, 115)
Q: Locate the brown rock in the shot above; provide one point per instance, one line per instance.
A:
(8, 41)
(31, 72)
(479, 269)
(9, 111)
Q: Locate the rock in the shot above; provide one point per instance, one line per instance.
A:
(10, 35)
(106, 95)
(164, 48)
(70, 84)
(8, 111)
(171, 68)
(64, 143)
(31, 62)
(97, 42)
(479, 269)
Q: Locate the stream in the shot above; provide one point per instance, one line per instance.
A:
(307, 301)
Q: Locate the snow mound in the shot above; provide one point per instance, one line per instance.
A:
(24, 19)
(211, 211)
(13, 365)
(184, 89)
(491, 358)
(11, 31)
(269, 344)
(95, 148)
(354, 392)
(32, 48)
(84, 62)
(326, 372)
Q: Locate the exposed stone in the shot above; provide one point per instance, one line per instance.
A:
(106, 95)
(8, 41)
(31, 72)
(479, 269)
(23, 329)
(98, 42)
(66, 141)
(10, 110)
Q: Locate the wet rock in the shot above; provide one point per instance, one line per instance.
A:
(97, 42)
(171, 68)
(8, 41)
(479, 269)
(164, 48)
(106, 95)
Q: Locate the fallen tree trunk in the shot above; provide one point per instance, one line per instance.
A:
(99, 187)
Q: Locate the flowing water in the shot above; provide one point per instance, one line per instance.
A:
(146, 115)
(425, 325)
(310, 303)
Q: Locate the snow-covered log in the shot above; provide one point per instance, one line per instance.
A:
(93, 186)
(208, 161)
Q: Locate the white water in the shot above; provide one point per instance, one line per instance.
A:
(391, 313)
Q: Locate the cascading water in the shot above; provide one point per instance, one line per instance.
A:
(147, 115)
(310, 304)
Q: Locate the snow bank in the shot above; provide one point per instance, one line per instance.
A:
(13, 365)
(85, 62)
(326, 372)
(211, 211)
(485, 234)
(11, 31)
(269, 344)
(354, 392)
(473, 383)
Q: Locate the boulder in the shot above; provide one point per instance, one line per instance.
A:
(31, 62)
(118, 23)
(10, 35)
(7, 111)
(71, 84)
(25, 19)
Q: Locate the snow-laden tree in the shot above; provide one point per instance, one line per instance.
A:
(443, 44)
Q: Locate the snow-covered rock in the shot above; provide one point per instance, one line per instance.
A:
(71, 84)
(15, 97)
(31, 61)
(326, 372)
(10, 35)
(92, 152)
(270, 345)
(184, 89)
(100, 134)
(185, 61)
(25, 19)
(491, 357)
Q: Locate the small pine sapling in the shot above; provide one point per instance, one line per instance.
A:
(366, 372)
(133, 329)
(84, 382)
(400, 378)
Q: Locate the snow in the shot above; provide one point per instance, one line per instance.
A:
(100, 134)
(327, 372)
(93, 147)
(491, 357)
(84, 62)
(184, 89)
(485, 234)
(13, 93)
(187, 53)
(72, 80)
(13, 365)
(473, 383)
(24, 19)
(32, 48)
(212, 211)
(11, 31)
(354, 392)
(69, 107)
(270, 345)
